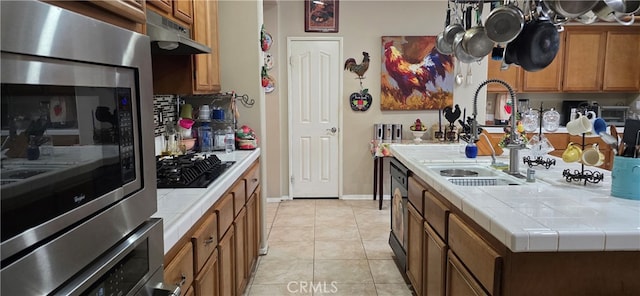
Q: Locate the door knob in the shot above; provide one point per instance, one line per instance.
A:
(333, 130)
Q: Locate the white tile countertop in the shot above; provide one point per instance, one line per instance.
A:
(181, 208)
(547, 215)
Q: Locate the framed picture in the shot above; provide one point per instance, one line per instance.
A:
(414, 75)
(321, 16)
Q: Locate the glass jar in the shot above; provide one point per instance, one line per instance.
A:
(551, 120)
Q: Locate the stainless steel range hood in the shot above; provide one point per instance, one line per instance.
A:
(170, 38)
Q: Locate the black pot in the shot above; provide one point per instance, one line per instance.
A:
(536, 46)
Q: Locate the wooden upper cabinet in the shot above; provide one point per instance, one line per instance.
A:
(177, 10)
(548, 79)
(164, 5)
(206, 76)
(584, 60)
(183, 10)
(622, 61)
(512, 76)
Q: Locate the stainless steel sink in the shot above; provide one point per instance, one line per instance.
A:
(483, 181)
(474, 175)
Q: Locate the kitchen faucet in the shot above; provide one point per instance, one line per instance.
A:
(515, 143)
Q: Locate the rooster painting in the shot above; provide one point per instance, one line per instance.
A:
(415, 76)
(359, 69)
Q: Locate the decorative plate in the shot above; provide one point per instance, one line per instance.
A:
(268, 61)
(267, 40)
(271, 86)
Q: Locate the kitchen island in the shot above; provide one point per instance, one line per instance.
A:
(548, 237)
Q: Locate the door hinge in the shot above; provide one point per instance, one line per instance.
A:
(292, 179)
(291, 61)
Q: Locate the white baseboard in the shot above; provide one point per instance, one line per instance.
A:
(345, 197)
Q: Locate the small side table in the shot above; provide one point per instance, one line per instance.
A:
(379, 151)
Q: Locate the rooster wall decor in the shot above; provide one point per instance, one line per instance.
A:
(359, 69)
(414, 75)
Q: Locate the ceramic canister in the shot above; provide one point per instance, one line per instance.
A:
(624, 177)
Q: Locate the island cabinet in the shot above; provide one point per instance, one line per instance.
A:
(127, 14)
(218, 254)
(460, 257)
(192, 74)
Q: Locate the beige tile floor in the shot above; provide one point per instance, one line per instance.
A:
(327, 247)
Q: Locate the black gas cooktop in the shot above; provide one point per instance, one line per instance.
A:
(189, 171)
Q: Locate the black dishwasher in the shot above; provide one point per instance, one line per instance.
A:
(399, 189)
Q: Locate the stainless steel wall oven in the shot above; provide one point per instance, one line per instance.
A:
(77, 135)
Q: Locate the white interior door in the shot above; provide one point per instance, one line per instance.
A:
(315, 76)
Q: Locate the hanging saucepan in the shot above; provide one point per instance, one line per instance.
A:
(475, 41)
(451, 30)
(616, 10)
(537, 45)
(570, 9)
(504, 23)
(442, 46)
(459, 51)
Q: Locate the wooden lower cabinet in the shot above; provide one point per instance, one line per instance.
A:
(253, 231)
(179, 271)
(459, 281)
(435, 263)
(227, 264)
(207, 281)
(191, 292)
(414, 248)
(240, 254)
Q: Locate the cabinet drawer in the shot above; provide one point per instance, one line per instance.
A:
(460, 281)
(224, 210)
(435, 212)
(415, 195)
(253, 179)
(239, 197)
(205, 240)
(180, 270)
(481, 260)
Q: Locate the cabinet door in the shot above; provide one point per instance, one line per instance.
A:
(621, 65)
(226, 264)
(252, 232)
(548, 79)
(240, 253)
(164, 5)
(206, 283)
(202, 33)
(414, 248)
(205, 241)
(512, 76)
(584, 59)
(435, 263)
(459, 281)
(180, 270)
(183, 10)
(477, 256)
(224, 210)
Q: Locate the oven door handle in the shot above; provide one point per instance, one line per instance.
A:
(166, 290)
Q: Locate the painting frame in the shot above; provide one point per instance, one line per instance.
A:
(321, 16)
(414, 75)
